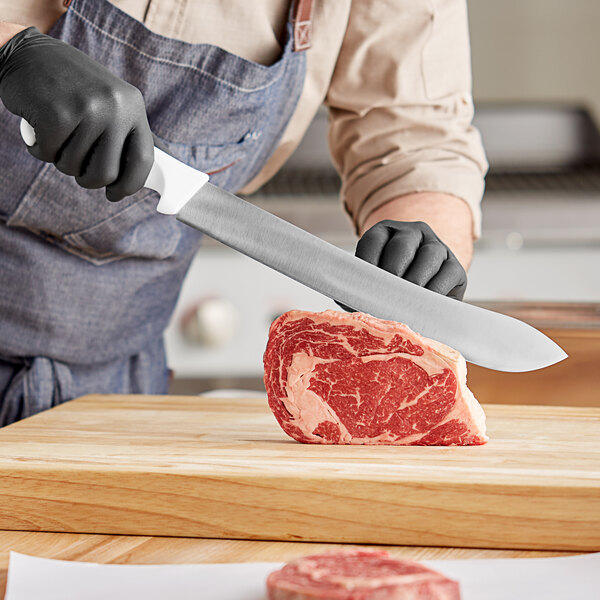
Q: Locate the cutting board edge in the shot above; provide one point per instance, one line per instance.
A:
(325, 539)
(19, 469)
(93, 398)
(234, 508)
(72, 503)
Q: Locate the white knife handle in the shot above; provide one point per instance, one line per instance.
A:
(173, 180)
(27, 133)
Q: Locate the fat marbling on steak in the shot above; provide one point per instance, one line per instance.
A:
(349, 378)
(359, 574)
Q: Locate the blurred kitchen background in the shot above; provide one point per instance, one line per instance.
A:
(536, 86)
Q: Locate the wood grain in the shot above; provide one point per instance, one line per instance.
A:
(160, 550)
(198, 467)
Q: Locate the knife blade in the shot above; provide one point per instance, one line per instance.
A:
(483, 337)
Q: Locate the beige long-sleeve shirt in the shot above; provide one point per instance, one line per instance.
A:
(395, 75)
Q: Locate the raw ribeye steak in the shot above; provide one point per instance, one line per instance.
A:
(349, 378)
(357, 574)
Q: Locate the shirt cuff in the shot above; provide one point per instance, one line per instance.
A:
(455, 175)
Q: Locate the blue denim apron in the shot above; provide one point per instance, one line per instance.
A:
(87, 287)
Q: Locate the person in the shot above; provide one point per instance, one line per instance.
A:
(90, 273)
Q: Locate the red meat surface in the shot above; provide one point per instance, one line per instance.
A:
(349, 378)
(357, 574)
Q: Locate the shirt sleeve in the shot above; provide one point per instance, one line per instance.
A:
(401, 108)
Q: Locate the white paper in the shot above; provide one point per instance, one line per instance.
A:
(31, 578)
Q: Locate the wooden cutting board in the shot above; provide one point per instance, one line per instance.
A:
(222, 468)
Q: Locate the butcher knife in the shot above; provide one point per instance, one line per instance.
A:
(482, 336)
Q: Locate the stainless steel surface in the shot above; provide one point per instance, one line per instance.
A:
(535, 50)
(483, 337)
(536, 136)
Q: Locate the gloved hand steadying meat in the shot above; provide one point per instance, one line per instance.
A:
(412, 250)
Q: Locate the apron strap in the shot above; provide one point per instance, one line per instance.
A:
(302, 21)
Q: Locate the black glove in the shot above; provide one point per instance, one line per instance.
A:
(87, 121)
(412, 251)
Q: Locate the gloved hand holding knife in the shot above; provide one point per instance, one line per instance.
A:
(88, 122)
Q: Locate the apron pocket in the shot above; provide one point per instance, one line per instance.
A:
(223, 162)
(138, 231)
(84, 223)
(211, 158)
